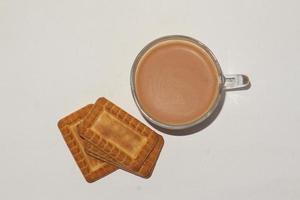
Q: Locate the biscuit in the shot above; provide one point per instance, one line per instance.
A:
(91, 168)
(118, 135)
(146, 169)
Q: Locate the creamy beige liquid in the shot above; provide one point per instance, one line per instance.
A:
(176, 82)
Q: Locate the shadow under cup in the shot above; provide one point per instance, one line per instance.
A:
(177, 83)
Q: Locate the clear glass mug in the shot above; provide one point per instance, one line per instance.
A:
(227, 82)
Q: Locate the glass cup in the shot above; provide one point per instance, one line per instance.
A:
(226, 83)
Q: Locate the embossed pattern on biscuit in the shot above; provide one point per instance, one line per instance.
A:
(118, 134)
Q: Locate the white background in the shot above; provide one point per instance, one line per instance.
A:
(56, 56)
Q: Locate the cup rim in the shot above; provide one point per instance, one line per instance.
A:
(216, 100)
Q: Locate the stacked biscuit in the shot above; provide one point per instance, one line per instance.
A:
(103, 138)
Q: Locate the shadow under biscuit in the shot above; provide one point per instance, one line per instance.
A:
(197, 127)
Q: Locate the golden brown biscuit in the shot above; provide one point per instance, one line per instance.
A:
(148, 166)
(118, 134)
(91, 168)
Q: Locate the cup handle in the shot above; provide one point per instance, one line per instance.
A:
(236, 82)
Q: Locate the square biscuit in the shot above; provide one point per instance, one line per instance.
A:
(118, 135)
